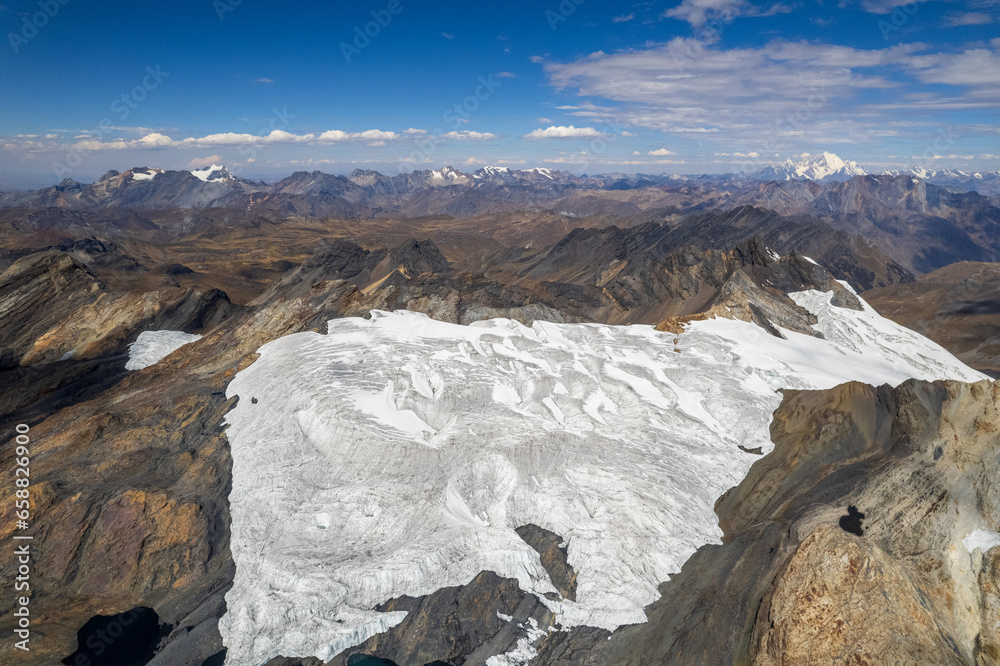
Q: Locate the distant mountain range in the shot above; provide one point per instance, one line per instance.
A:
(829, 167)
(365, 193)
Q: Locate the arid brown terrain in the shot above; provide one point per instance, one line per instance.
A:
(957, 306)
(132, 469)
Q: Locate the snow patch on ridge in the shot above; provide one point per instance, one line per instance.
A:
(604, 435)
(524, 652)
(153, 346)
(212, 174)
(148, 174)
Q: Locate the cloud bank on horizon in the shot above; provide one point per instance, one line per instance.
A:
(718, 85)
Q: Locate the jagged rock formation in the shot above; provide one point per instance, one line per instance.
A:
(640, 276)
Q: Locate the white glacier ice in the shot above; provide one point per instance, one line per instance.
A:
(153, 346)
(524, 651)
(985, 540)
(145, 175)
(420, 446)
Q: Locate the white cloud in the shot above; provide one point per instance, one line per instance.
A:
(623, 19)
(663, 152)
(304, 162)
(334, 135)
(153, 140)
(469, 135)
(447, 35)
(200, 162)
(700, 12)
(885, 6)
(377, 134)
(563, 132)
(781, 94)
(158, 140)
(976, 67)
(967, 18)
(263, 79)
(647, 162)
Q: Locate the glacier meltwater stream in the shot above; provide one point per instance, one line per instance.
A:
(396, 455)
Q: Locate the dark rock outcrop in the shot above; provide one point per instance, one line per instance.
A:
(554, 557)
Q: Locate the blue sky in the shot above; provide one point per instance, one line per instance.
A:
(698, 86)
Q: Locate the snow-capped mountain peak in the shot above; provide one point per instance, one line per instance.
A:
(448, 176)
(978, 181)
(212, 174)
(143, 173)
(825, 166)
(492, 172)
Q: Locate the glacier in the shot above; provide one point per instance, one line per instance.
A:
(396, 454)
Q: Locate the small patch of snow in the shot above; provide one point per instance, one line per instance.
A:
(153, 346)
(982, 539)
